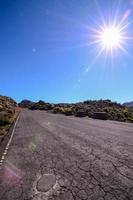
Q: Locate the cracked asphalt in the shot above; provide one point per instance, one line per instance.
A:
(91, 159)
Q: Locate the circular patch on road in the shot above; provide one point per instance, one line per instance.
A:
(46, 182)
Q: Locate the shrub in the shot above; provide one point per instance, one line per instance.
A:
(130, 119)
(5, 119)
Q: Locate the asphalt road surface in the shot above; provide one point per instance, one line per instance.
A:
(56, 157)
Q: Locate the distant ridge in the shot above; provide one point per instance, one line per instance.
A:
(25, 103)
(114, 110)
(128, 104)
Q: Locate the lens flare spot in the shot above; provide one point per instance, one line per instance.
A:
(126, 15)
(12, 175)
(32, 146)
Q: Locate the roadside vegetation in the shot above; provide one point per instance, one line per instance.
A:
(88, 108)
(8, 113)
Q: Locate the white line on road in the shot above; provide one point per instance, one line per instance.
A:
(8, 144)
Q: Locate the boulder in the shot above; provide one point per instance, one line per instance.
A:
(81, 113)
(100, 115)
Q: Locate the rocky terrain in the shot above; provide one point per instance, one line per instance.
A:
(25, 103)
(8, 111)
(113, 110)
(128, 104)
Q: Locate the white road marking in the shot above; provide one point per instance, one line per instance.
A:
(8, 144)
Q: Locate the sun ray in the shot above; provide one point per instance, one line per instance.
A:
(100, 12)
(100, 52)
(96, 31)
(124, 50)
(116, 13)
(122, 28)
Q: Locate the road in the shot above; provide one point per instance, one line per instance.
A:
(57, 157)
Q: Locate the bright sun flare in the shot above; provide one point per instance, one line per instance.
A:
(111, 37)
(111, 34)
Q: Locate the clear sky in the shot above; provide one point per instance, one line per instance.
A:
(46, 51)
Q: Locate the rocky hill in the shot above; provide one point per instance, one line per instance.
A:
(128, 104)
(8, 110)
(88, 108)
(25, 103)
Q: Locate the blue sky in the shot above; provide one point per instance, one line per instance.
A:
(45, 51)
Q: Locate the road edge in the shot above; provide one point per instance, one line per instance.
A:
(8, 144)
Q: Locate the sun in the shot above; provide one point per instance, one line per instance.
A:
(110, 37)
